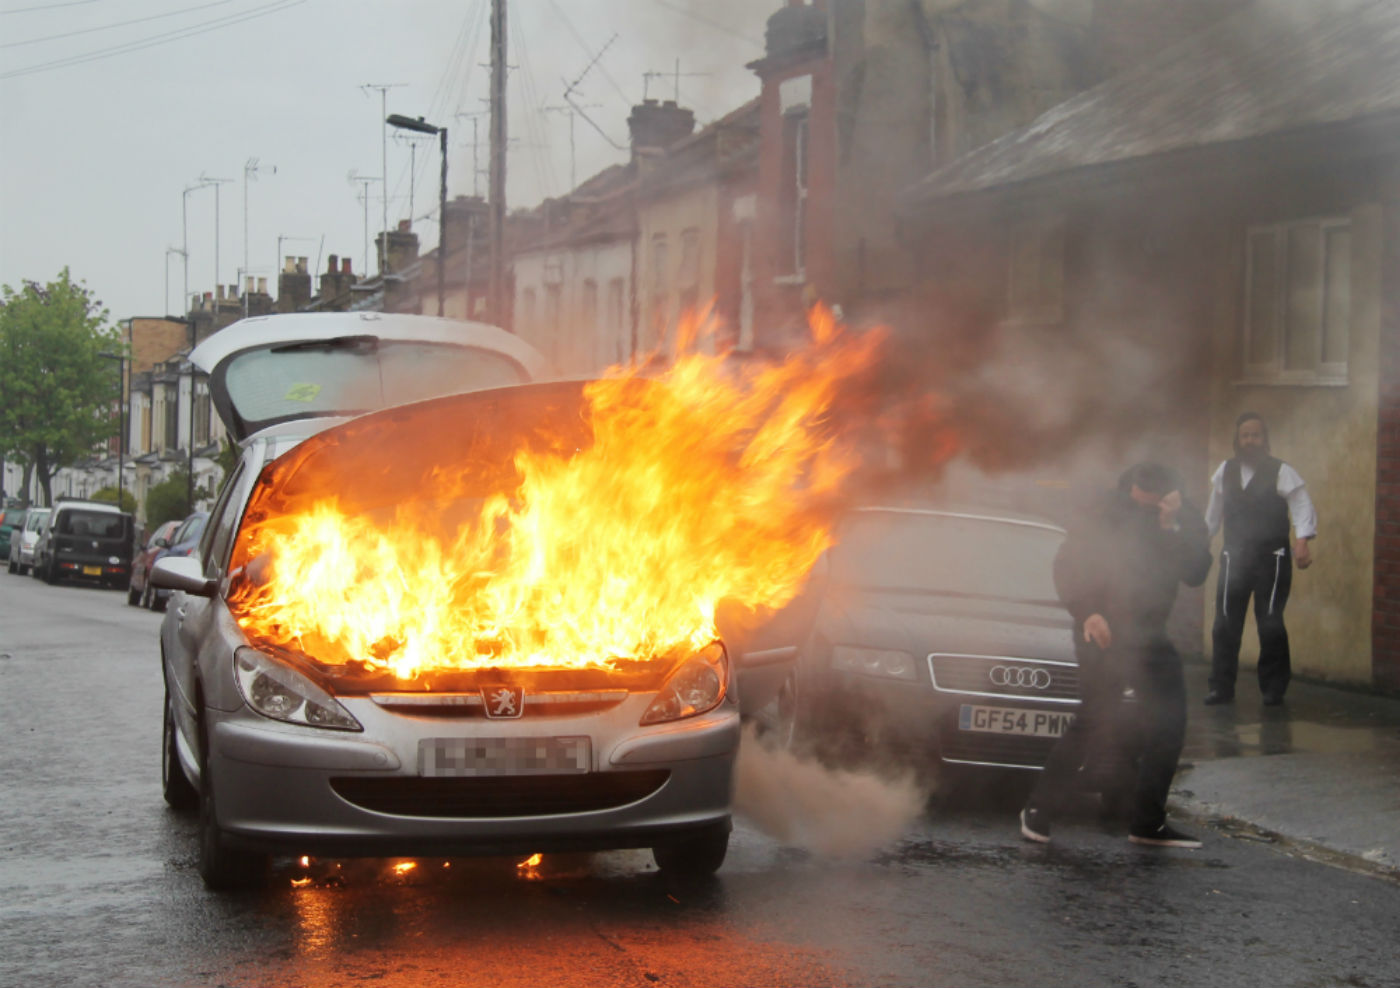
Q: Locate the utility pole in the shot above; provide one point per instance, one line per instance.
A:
(573, 111)
(185, 236)
(364, 181)
(498, 162)
(216, 182)
(383, 88)
(250, 170)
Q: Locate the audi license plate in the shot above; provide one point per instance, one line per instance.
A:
(468, 757)
(92, 571)
(1011, 720)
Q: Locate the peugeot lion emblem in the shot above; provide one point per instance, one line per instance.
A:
(1025, 677)
(503, 702)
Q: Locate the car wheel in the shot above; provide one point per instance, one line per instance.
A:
(148, 596)
(133, 596)
(51, 572)
(222, 867)
(697, 856)
(175, 786)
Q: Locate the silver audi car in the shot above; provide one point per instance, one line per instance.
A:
(284, 752)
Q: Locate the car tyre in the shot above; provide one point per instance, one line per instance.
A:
(133, 596)
(223, 868)
(175, 785)
(697, 856)
(51, 572)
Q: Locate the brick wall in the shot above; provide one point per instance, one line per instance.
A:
(1385, 619)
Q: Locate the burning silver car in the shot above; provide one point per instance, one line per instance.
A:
(348, 669)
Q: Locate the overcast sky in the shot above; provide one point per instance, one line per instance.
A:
(110, 109)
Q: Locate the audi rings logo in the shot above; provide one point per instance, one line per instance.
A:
(1024, 677)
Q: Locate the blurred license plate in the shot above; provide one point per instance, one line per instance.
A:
(92, 571)
(1012, 720)
(466, 757)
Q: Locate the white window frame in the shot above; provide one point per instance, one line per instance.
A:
(1273, 371)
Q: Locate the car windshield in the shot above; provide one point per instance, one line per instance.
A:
(95, 524)
(35, 520)
(190, 530)
(946, 555)
(357, 373)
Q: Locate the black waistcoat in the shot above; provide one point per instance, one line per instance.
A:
(1256, 517)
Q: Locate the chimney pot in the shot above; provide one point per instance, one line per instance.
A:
(248, 283)
(334, 265)
(345, 265)
(405, 226)
(301, 265)
(262, 286)
(289, 265)
(220, 290)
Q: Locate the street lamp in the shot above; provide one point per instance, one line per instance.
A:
(417, 125)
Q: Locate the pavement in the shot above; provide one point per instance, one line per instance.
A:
(1319, 775)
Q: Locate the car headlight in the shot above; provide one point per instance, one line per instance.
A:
(694, 688)
(280, 692)
(874, 662)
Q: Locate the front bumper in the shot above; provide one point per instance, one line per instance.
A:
(285, 789)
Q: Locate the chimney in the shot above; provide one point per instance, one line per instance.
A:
(403, 246)
(345, 265)
(795, 27)
(293, 285)
(262, 286)
(248, 284)
(655, 126)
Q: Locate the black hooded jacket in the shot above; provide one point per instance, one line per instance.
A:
(1119, 562)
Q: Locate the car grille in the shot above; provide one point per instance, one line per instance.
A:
(470, 705)
(991, 675)
(539, 795)
(994, 749)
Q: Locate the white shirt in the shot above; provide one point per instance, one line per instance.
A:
(1290, 487)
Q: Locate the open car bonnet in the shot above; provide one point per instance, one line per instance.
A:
(270, 369)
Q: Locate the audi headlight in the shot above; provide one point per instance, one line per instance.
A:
(874, 662)
(694, 688)
(280, 692)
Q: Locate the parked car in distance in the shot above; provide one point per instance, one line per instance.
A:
(11, 522)
(940, 633)
(286, 751)
(185, 542)
(85, 540)
(23, 540)
(143, 560)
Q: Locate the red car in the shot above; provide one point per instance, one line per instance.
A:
(139, 588)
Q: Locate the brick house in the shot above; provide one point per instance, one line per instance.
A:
(1214, 228)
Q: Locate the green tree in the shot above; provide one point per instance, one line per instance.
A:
(57, 392)
(128, 499)
(168, 500)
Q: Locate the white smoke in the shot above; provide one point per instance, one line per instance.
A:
(831, 812)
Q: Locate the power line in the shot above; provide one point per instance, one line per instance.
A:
(722, 28)
(47, 6)
(108, 27)
(159, 39)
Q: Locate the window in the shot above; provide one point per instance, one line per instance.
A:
(553, 303)
(588, 307)
(1297, 302)
(617, 320)
(792, 201)
(527, 311)
(172, 419)
(1035, 275)
(660, 254)
(688, 278)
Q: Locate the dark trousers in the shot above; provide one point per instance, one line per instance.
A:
(1266, 575)
(1148, 726)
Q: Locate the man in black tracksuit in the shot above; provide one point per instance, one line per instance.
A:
(1254, 495)
(1118, 574)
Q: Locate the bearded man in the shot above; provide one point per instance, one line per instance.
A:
(1254, 496)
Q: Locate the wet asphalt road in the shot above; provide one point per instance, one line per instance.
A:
(98, 884)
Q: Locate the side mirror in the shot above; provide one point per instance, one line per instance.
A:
(164, 543)
(181, 573)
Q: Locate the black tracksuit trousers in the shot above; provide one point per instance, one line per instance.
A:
(1150, 727)
(1267, 576)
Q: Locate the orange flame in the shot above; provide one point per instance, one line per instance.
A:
(608, 530)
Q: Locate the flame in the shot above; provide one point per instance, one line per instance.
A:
(609, 530)
(530, 867)
(404, 867)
